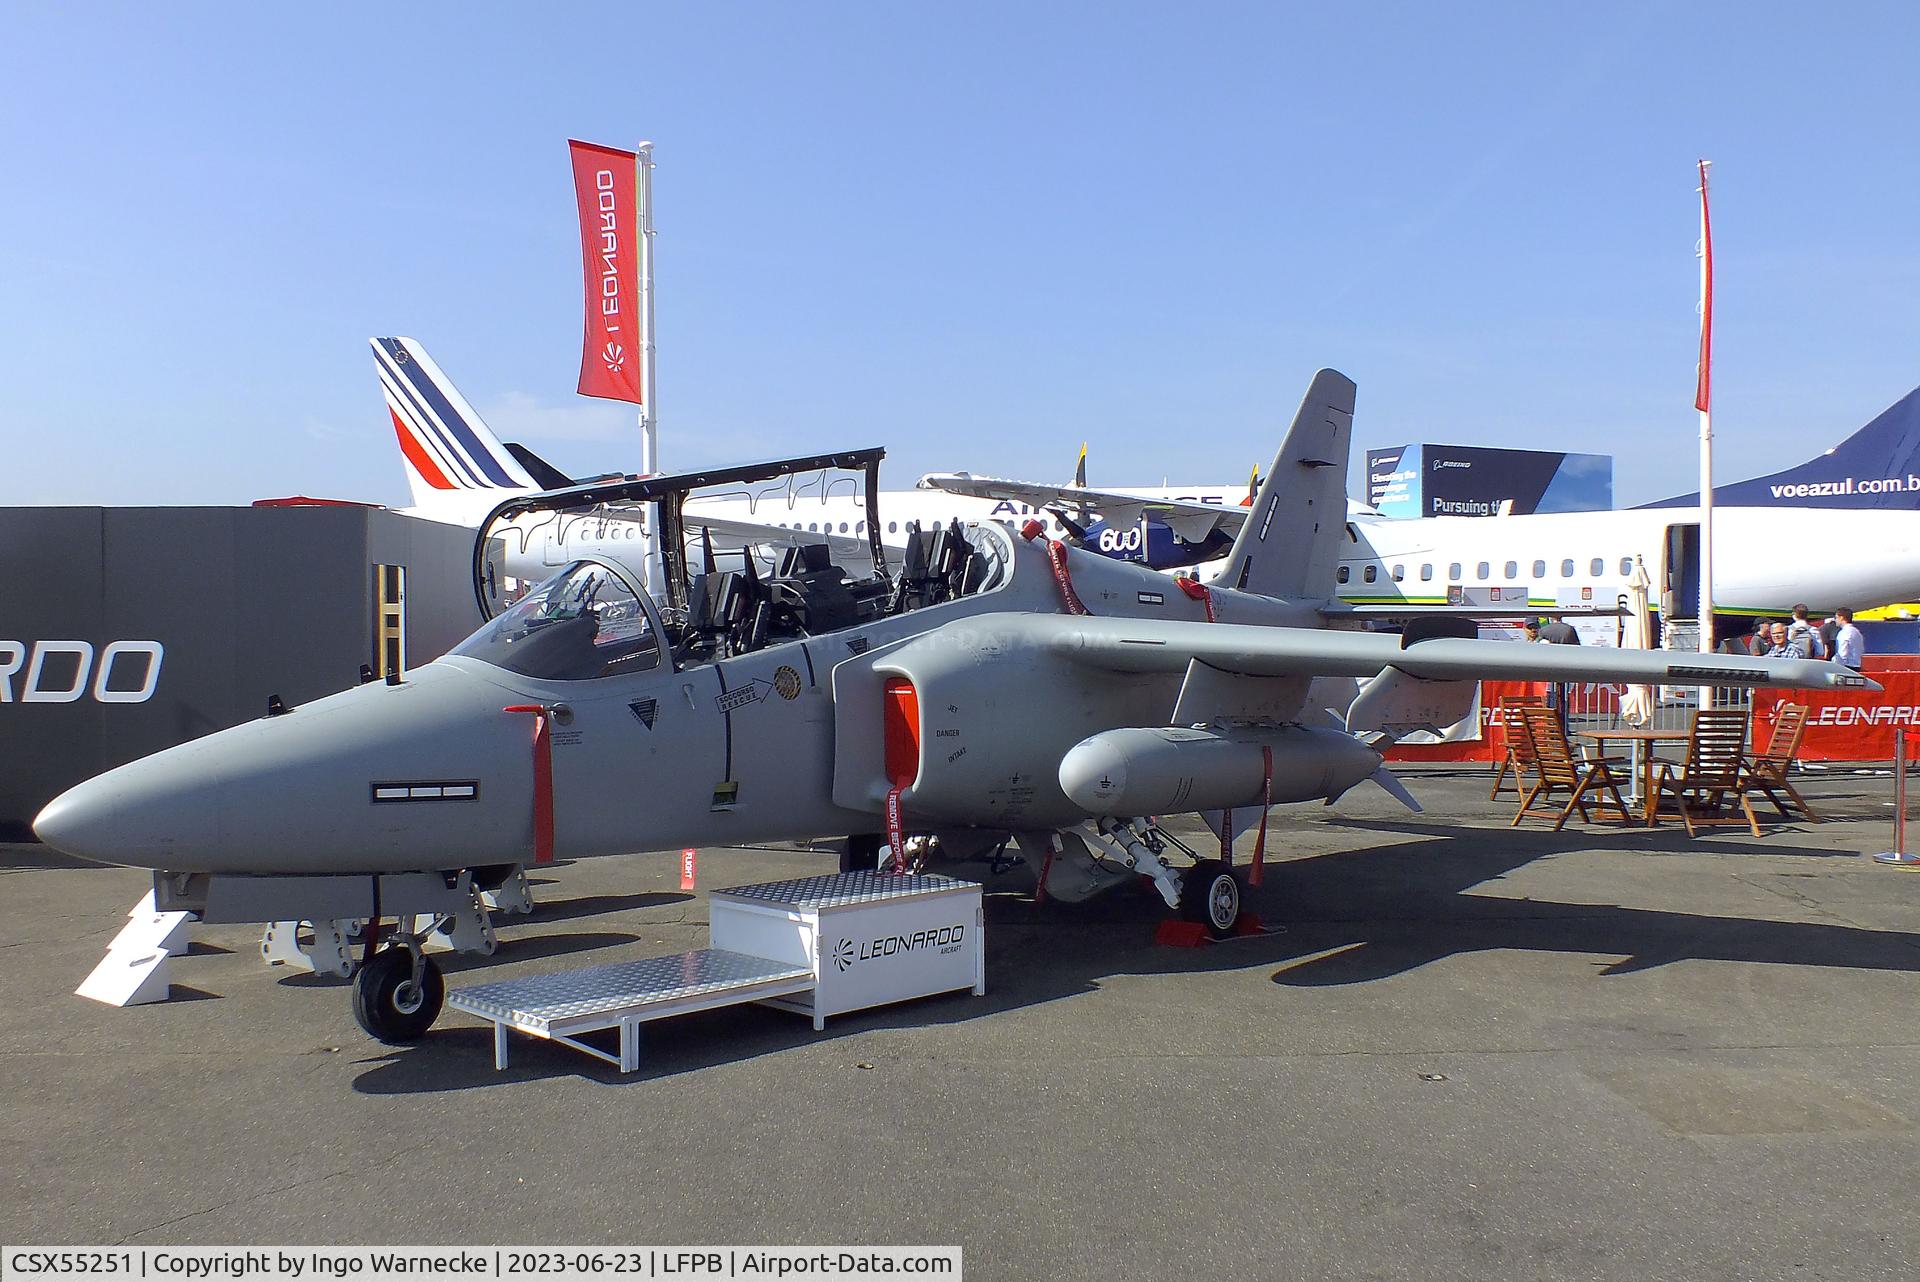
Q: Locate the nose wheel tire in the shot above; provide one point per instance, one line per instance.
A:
(388, 1004)
(1210, 895)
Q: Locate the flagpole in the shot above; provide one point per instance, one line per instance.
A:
(649, 388)
(1703, 401)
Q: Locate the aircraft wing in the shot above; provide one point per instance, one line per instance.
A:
(1148, 645)
(1192, 522)
(1338, 610)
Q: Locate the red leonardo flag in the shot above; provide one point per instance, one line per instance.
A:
(605, 186)
(1703, 388)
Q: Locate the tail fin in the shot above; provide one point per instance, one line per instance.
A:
(1877, 467)
(455, 466)
(1080, 468)
(1291, 540)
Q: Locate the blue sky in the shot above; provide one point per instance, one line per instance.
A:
(975, 234)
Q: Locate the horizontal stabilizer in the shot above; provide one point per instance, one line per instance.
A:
(544, 474)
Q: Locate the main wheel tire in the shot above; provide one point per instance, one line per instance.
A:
(386, 1003)
(1210, 895)
(862, 852)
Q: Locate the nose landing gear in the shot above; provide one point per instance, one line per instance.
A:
(399, 992)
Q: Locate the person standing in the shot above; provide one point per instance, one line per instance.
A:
(1849, 646)
(1559, 632)
(1828, 631)
(1786, 645)
(1803, 632)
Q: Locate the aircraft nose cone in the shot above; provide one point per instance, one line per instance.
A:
(126, 816)
(66, 823)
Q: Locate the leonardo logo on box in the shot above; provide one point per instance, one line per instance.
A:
(943, 941)
(69, 671)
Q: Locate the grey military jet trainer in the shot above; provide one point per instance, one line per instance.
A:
(998, 686)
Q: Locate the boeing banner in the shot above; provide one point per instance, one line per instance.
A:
(1463, 480)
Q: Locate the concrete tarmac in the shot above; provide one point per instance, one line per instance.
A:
(1467, 1052)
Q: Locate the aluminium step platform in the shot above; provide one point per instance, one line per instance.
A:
(817, 945)
(562, 1006)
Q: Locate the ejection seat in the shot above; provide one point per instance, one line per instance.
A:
(812, 592)
(725, 616)
(938, 564)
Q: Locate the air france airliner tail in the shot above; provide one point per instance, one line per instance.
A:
(457, 469)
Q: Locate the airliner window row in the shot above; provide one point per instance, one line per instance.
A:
(1483, 571)
(860, 527)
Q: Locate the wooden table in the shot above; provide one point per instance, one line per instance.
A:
(1646, 739)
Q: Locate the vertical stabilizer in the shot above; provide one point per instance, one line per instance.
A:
(1877, 467)
(1291, 541)
(456, 468)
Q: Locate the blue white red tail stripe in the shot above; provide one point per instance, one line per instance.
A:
(411, 417)
(446, 445)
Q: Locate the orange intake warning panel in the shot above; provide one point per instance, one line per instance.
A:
(900, 716)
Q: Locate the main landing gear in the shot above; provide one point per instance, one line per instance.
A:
(399, 991)
(1210, 895)
(1077, 863)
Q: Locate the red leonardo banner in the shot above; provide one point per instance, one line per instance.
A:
(605, 181)
(1850, 725)
(1842, 725)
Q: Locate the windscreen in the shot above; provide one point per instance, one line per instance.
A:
(583, 623)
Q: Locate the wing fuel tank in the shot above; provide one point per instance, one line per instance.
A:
(1168, 770)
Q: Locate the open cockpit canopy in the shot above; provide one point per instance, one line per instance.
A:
(721, 586)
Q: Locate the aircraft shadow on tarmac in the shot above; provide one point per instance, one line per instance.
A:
(594, 905)
(1347, 917)
(27, 854)
(514, 948)
(1368, 914)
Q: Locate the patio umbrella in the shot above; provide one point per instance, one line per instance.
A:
(1636, 707)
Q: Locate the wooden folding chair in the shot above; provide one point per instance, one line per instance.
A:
(1589, 781)
(1518, 756)
(1713, 778)
(1767, 771)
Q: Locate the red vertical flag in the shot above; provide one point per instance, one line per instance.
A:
(1703, 389)
(605, 186)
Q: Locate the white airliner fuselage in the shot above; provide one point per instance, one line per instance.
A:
(1765, 559)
